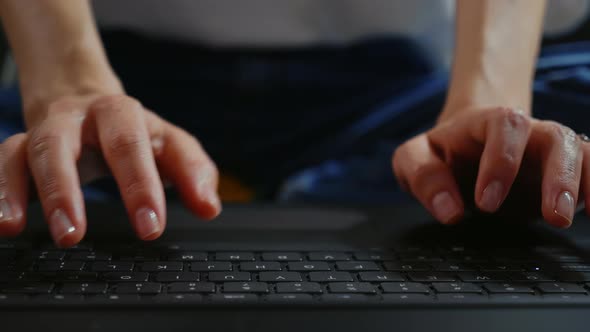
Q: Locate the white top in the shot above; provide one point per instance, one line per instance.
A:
(283, 23)
(291, 23)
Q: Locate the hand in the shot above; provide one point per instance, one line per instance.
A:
(70, 144)
(499, 160)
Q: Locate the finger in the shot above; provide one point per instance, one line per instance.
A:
(585, 180)
(505, 138)
(182, 160)
(126, 146)
(52, 152)
(429, 179)
(14, 184)
(562, 168)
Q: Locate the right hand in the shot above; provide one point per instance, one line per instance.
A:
(78, 138)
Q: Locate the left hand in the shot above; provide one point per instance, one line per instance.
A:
(499, 160)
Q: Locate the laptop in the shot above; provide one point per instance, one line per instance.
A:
(287, 268)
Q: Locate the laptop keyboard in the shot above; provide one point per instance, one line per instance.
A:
(169, 274)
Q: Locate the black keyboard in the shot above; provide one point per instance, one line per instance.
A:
(88, 275)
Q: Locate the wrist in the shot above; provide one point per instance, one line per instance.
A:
(474, 96)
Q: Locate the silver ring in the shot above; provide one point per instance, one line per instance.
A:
(584, 138)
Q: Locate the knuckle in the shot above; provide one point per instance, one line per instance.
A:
(514, 118)
(507, 162)
(559, 132)
(137, 186)
(50, 190)
(61, 105)
(422, 175)
(42, 141)
(123, 144)
(116, 102)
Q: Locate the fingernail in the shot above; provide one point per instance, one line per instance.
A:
(565, 207)
(445, 207)
(146, 222)
(491, 197)
(206, 190)
(60, 225)
(5, 211)
(211, 197)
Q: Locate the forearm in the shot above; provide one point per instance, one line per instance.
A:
(495, 54)
(57, 50)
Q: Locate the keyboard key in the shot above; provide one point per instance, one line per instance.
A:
(108, 299)
(82, 246)
(484, 277)
(48, 255)
(406, 267)
(75, 276)
(245, 287)
(84, 288)
(27, 288)
(11, 299)
(279, 276)
(229, 276)
(329, 276)
(298, 287)
(495, 267)
(260, 266)
(579, 267)
(161, 266)
(188, 256)
(139, 257)
(357, 266)
(573, 277)
(117, 266)
(404, 287)
(566, 298)
(54, 266)
(289, 298)
(308, 266)
(179, 298)
(508, 288)
(431, 276)
(90, 256)
(210, 266)
(69, 299)
(139, 288)
(351, 287)
(456, 287)
(191, 287)
(420, 258)
(373, 256)
(235, 256)
(560, 287)
(234, 298)
(177, 276)
(38, 276)
(532, 277)
(344, 298)
(10, 276)
(514, 298)
(453, 267)
(407, 298)
(282, 256)
(125, 276)
(380, 276)
(328, 256)
(463, 298)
